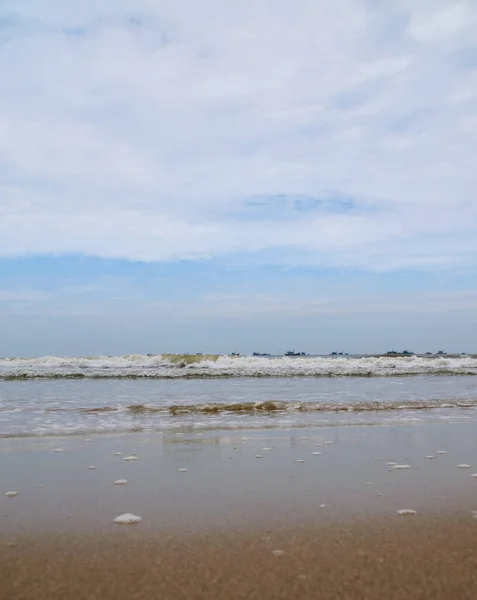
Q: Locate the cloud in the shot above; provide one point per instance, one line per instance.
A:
(147, 130)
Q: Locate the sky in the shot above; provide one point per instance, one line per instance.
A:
(253, 175)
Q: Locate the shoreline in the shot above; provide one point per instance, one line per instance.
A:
(219, 479)
(245, 514)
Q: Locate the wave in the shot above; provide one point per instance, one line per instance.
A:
(268, 407)
(168, 366)
(271, 414)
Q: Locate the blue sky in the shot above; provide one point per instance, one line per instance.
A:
(183, 176)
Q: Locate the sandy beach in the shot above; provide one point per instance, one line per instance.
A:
(246, 514)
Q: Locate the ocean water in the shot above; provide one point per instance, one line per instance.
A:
(83, 396)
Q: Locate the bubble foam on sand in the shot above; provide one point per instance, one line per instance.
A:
(127, 519)
(442, 452)
(430, 456)
(316, 453)
(58, 450)
(278, 553)
(121, 482)
(87, 440)
(258, 456)
(91, 467)
(474, 475)
(118, 453)
(406, 512)
(463, 466)
(11, 494)
(184, 470)
(299, 460)
(322, 505)
(41, 485)
(267, 449)
(391, 464)
(399, 467)
(130, 458)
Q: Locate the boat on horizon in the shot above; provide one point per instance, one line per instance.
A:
(260, 353)
(293, 353)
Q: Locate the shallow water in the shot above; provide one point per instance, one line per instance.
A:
(214, 480)
(38, 407)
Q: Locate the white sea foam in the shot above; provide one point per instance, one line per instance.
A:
(11, 494)
(127, 519)
(139, 365)
(121, 482)
(406, 512)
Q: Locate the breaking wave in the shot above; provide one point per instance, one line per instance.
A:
(271, 406)
(172, 366)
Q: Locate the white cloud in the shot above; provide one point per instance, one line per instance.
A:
(139, 129)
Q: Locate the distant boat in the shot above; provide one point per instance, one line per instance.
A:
(235, 354)
(339, 354)
(293, 353)
(403, 353)
(260, 353)
(441, 352)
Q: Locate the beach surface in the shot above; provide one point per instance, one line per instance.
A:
(310, 513)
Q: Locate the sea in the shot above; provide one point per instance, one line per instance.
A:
(61, 396)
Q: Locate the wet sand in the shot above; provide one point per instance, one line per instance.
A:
(416, 558)
(236, 526)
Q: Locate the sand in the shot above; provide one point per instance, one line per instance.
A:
(371, 560)
(232, 526)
